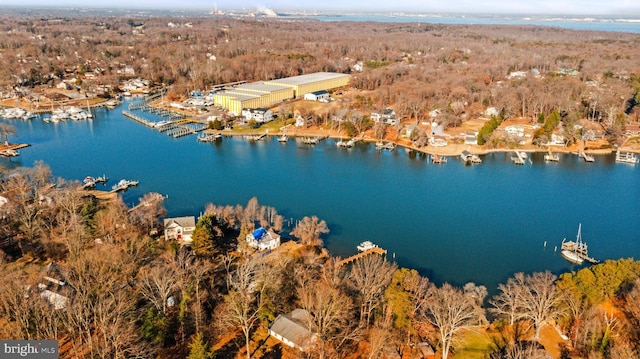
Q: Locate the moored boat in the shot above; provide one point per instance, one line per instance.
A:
(576, 252)
(366, 245)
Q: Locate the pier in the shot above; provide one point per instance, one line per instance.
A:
(368, 252)
(586, 157)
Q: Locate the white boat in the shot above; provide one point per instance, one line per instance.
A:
(123, 185)
(283, 138)
(366, 245)
(576, 252)
(626, 157)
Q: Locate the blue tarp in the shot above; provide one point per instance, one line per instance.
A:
(258, 233)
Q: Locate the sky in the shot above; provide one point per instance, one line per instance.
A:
(630, 8)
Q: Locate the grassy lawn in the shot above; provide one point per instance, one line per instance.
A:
(474, 345)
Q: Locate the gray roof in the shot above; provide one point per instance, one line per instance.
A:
(188, 221)
(293, 327)
(261, 86)
(309, 78)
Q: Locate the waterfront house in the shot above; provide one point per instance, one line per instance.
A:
(437, 141)
(471, 138)
(514, 130)
(557, 140)
(408, 130)
(387, 116)
(179, 228)
(263, 239)
(300, 121)
(292, 330)
(260, 115)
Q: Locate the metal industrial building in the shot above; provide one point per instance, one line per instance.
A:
(267, 93)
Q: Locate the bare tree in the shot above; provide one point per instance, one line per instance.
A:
(149, 210)
(329, 311)
(7, 130)
(370, 277)
(246, 298)
(450, 310)
(309, 230)
(507, 302)
(538, 299)
(157, 284)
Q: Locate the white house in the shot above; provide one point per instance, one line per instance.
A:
(292, 330)
(557, 140)
(179, 228)
(260, 115)
(300, 121)
(514, 130)
(320, 96)
(53, 287)
(471, 138)
(386, 116)
(437, 141)
(262, 239)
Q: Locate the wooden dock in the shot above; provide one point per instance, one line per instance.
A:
(353, 258)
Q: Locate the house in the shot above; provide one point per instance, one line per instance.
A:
(358, 67)
(320, 96)
(557, 140)
(408, 130)
(471, 138)
(179, 228)
(54, 287)
(515, 130)
(386, 116)
(437, 141)
(300, 121)
(292, 330)
(260, 115)
(262, 239)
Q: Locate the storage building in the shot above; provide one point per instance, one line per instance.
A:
(312, 82)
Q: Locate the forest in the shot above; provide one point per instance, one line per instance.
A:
(98, 276)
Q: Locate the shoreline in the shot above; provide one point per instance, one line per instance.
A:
(448, 150)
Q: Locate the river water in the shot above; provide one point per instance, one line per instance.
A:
(452, 222)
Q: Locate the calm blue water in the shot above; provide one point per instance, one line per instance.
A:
(453, 223)
(627, 23)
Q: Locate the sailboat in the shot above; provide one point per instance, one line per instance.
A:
(576, 252)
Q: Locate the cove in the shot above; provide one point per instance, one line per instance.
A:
(453, 223)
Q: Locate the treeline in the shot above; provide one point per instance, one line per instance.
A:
(121, 292)
(415, 68)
